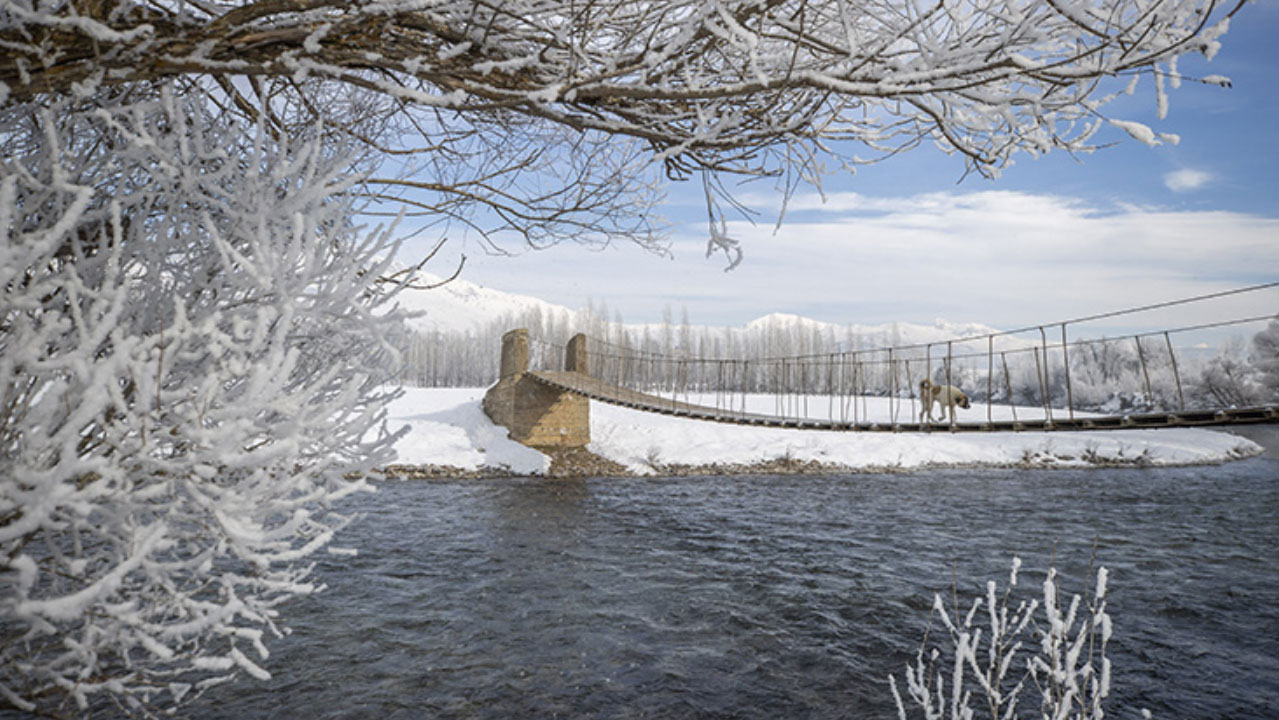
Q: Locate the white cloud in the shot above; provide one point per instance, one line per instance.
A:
(1185, 180)
(1008, 259)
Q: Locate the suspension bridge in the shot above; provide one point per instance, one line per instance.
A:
(1018, 380)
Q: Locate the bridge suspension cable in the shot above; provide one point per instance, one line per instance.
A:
(1036, 382)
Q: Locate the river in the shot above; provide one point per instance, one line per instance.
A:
(766, 597)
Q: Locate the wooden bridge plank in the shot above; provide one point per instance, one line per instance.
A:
(605, 392)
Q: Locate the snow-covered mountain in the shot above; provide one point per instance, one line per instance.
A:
(461, 306)
(883, 335)
(461, 327)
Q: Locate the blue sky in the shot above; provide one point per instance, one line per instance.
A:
(1052, 238)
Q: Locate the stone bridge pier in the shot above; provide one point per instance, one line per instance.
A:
(536, 414)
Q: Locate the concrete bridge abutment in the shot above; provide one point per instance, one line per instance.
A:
(536, 414)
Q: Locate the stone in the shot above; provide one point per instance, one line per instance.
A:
(533, 413)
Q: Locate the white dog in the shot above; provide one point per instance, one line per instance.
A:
(948, 396)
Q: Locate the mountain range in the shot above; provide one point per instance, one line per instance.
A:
(464, 307)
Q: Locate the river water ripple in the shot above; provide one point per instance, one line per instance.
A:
(766, 597)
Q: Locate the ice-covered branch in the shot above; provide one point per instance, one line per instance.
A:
(1070, 669)
(713, 82)
(193, 350)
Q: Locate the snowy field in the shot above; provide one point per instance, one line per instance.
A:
(447, 427)
(858, 409)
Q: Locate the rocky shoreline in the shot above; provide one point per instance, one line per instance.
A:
(580, 463)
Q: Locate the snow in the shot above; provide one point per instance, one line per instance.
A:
(462, 306)
(447, 427)
(1137, 130)
(899, 333)
(129, 564)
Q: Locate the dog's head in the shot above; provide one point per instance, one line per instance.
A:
(963, 401)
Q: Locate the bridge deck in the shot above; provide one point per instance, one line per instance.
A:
(625, 397)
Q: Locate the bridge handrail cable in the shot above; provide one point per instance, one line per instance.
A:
(626, 353)
(646, 354)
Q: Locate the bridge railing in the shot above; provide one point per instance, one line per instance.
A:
(1036, 373)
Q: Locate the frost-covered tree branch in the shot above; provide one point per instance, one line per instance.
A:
(989, 660)
(544, 184)
(706, 84)
(1265, 357)
(192, 357)
(769, 87)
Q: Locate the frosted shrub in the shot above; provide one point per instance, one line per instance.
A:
(1000, 653)
(191, 355)
(1265, 359)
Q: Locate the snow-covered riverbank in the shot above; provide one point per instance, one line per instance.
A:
(449, 429)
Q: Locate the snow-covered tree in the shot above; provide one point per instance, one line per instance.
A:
(193, 347)
(1265, 357)
(1228, 379)
(519, 108)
